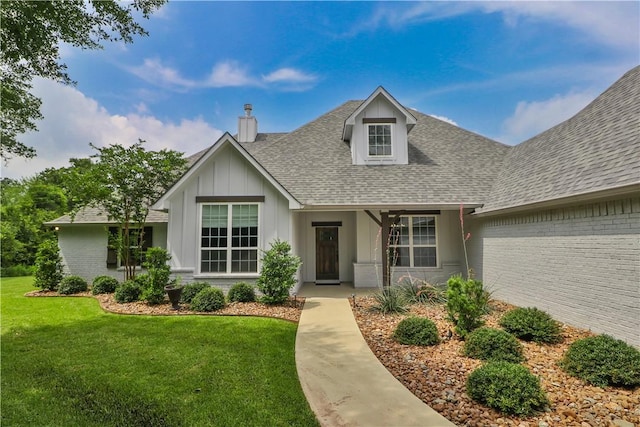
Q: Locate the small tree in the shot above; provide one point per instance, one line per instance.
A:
(467, 301)
(159, 272)
(48, 266)
(277, 276)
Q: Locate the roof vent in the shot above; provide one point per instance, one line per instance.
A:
(247, 125)
(247, 109)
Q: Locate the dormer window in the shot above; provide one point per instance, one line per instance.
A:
(379, 140)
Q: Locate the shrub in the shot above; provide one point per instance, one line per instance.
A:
(416, 331)
(277, 276)
(191, 290)
(508, 387)
(104, 285)
(19, 270)
(158, 272)
(210, 299)
(389, 300)
(48, 266)
(531, 324)
(493, 344)
(72, 285)
(603, 360)
(241, 292)
(128, 291)
(418, 291)
(467, 301)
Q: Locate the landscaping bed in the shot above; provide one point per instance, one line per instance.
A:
(438, 374)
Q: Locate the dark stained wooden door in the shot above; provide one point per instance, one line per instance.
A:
(327, 267)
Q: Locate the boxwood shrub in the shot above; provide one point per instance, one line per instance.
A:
(104, 285)
(128, 291)
(508, 387)
(416, 331)
(241, 292)
(191, 290)
(531, 324)
(72, 285)
(210, 299)
(603, 360)
(493, 344)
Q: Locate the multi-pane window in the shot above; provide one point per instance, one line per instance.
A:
(137, 249)
(379, 140)
(229, 238)
(412, 242)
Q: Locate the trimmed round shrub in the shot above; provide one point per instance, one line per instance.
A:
(603, 360)
(531, 324)
(211, 299)
(72, 285)
(416, 331)
(104, 285)
(242, 292)
(508, 387)
(128, 291)
(191, 290)
(493, 344)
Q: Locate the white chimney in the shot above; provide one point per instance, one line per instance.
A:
(247, 125)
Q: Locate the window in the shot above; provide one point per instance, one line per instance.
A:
(412, 242)
(115, 233)
(379, 140)
(229, 238)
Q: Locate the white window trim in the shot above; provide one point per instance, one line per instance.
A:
(216, 274)
(366, 133)
(411, 245)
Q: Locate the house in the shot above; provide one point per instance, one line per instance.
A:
(555, 221)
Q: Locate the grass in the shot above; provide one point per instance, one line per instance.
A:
(66, 362)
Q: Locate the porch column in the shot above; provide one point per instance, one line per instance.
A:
(384, 236)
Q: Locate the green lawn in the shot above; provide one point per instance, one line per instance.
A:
(66, 362)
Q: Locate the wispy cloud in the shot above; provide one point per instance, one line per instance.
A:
(227, 73)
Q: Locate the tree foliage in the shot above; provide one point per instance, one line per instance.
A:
(31, 34)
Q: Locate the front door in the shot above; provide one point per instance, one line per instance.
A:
(327, 255)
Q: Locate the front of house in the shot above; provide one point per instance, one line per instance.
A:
(373, 177)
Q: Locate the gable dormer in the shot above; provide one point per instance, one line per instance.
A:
(377, 131)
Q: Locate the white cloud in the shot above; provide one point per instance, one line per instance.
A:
(444, 119)
(73, 120)
(153, 71)
(531, 118)
(229, 73)
(288, 75)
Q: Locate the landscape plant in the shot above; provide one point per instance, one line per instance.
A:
(128, 291)
(508, 387)
(190, 290)
(241, 292)
(72, 285)
(104, 285)
(416, 331)
(158, 272)
(493, 345)
(531, 324)
(603, 361)
(389, 300)
(209, 299)
(48, 266)
(277, 275)
(467, 302)
(417, 291)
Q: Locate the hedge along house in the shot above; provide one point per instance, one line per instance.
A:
(373, 177)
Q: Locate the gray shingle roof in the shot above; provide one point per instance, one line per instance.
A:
(447, 164)
(97, 216)
(597, 149)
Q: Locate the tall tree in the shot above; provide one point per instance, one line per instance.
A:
(125, 182)
(30, 36)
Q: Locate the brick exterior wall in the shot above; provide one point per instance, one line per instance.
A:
(581, 264)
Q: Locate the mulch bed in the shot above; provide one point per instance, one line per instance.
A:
(438, 374)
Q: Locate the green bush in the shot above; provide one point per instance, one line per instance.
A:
(158, 272)
(191, 290)
(494, 345)
(277, 276)
(128, 291)
(72, 285)
(210, 299)
(19, 270)
(531, 324)
(48, 266)
(421, 292)
(241, 292)
(389, 300)
(416, 331)
(467, 302)
(603, 360)
(104, 285)
(508, 387)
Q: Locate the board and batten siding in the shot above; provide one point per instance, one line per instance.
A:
(227, 173)
(581, 264)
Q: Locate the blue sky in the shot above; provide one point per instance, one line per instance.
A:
(506, 70)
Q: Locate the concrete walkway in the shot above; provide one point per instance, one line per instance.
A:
(343, 380)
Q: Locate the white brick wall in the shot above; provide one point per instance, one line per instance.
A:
(581, 264)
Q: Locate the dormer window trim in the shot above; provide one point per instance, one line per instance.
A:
(378, 126)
